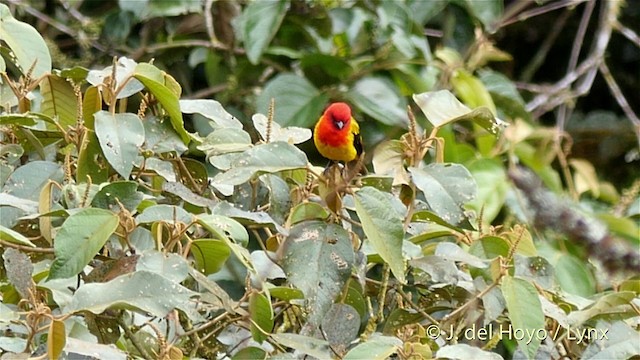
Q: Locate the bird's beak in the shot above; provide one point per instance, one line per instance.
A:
(340, 124)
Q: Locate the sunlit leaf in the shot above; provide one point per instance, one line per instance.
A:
(383, 227)
(59, 100)
(264, 158)
(211, 110)
(120, 137)
(307, 345)
(446, 188)
(442, 107)
(25, 42)
(289, 134)
(378, 347)
(79, 239)
(140, 290)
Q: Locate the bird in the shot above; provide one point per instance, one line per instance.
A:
(337, 134)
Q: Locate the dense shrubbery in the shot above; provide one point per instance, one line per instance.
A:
(136, 211)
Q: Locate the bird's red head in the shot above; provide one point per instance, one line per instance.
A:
(339, 113)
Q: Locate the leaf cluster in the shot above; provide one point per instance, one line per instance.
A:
(121, 223)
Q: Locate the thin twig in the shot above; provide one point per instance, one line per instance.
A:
(541, 10)
(626, 32)
(26, 248)
(619, 96)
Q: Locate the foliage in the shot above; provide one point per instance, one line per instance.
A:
(132, 214)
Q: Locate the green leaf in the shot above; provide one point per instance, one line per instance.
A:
(259, 23)
(446, 188)
(377, 347)
(59, 101)
(14, 237)
(25, 42)
(611, 305)
(250, 353)
(119, 192)
(160, 136)
(487, 11)
(232, 233)
(317, 259)
(383, 227)
(263, 158)
(79, 239)
(492, 187)
(307, 345)
(426, 215)
(298, 102)
(120, 137)
(141, 290)
(225, 140)
(378, 98)
(158, 83)
(340, 325)
(504, 93)
(453, 252)
(286, 293)
(91, 161)
(489, 247)
(442, 107)
(209, 255)
(574, 276)
(172, 266)
(262, 315)
(166, 213)
(27, 119)
(308, 211)
(525, 313)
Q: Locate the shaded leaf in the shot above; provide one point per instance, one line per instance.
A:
(78, 240)
(304, 344)
(525, 312)
(298, 102)
(453, 252)
(317, 259)
(378, 98)
(383, 227)
(259, 23)
(119, 192)
(19, 270)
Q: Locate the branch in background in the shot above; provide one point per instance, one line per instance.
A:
(577, 83)
(554, 213)
(622, 101)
